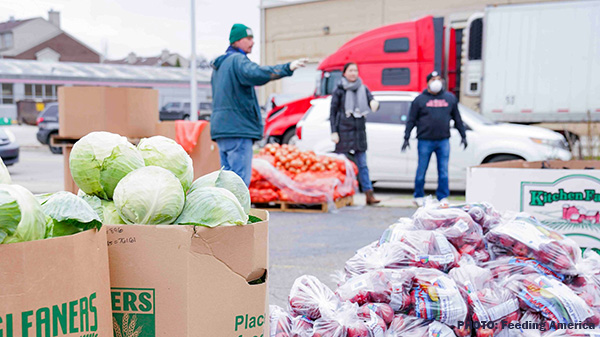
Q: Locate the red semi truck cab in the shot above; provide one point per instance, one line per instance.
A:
(396, 57)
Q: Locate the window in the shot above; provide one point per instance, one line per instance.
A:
(51, 111)
(45, 91)
(329, 81)
(399, 45)
(28, 90)
(395, 76)
(475, 39)
(390, 112)
(7, 93)
(8, 40)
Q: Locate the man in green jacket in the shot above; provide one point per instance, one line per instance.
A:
(236, 121)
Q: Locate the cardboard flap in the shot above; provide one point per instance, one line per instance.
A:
(241, 248)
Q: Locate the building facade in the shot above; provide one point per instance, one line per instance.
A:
(42, 40)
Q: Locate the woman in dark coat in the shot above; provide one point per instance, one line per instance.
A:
(351, 101)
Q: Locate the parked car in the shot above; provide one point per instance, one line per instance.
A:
(9, 148)
(176, 110)
(47, 122)
(488, 141)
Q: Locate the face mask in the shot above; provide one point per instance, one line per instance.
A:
(435, 86)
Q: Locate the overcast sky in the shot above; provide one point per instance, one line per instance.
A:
(145, 26)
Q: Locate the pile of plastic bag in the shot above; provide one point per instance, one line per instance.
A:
(284, 173)
(461, 271)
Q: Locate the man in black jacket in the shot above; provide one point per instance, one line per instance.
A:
(431, 113)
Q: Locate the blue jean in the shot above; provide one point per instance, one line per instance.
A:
(236, 156)
(363, 171)
(442, 154)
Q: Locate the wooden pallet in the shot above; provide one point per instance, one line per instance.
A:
(285, 206)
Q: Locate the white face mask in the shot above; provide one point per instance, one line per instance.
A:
(435, 86)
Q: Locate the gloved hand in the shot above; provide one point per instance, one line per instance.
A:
(299, 63)
(405, 145)
(374, 105)
(335, 137)
(464, 143)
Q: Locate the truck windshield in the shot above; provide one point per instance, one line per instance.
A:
(328, 81)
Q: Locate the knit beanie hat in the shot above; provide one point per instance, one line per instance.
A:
(238, 32)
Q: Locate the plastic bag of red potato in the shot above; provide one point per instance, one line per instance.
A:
(345, 322)
(432, 249)
(550, 297)
(587, 283)
(483, 214)
(525, 236)
(311, 298)
(506, 266)
(407, 326)
(282, 324)
(486, 300)
(435, 296)
(457, 226)
(396, 255)
(383, 286)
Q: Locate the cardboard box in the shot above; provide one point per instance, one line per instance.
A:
(205, 155)
(565, 196)
(130, 112)
(190, 281)
(56, 287)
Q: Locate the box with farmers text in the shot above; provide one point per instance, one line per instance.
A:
(563, 195)
(56, 287)
(174, 280)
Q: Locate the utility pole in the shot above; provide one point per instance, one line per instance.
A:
(193, 80)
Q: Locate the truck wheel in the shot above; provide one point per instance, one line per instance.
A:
(502, 157)
(289, 135)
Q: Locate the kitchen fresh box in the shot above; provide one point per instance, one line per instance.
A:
(563, 195)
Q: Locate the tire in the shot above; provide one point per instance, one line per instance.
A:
(186, 117)
(288, 135)
(56, 149)
(503, 157)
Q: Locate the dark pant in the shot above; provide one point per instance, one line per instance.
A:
(442, 154)
(236, 156)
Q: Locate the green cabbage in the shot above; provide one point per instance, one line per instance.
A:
(21, 216)
(211, 207)
(105, 209)
(100, 160)
(69, 214)
(228, 180)
(4, 175)
(166, 153)
(150, 195)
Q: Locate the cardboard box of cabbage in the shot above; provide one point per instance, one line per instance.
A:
(186, 257)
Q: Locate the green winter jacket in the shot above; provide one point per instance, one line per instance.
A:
(236, 112)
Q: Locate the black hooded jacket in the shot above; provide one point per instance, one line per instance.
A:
(431, 114)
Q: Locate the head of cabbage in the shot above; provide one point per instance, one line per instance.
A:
(106, 210)
(100, 160)
(212, 207)
(4, 175)
(166, 153)
(150, 195)
(68, 214)
(21, 216)
(228, 180)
